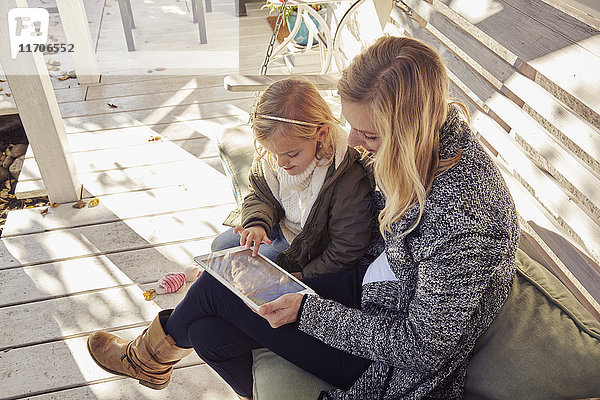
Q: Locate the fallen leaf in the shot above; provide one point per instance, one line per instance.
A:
(160, 69)
(150, 71)
(8, 94)
(150, 294)
(94, 202)
(44, 211)
(54, 205)
(111, 105)
(154, 138)
(79, 204)
(64, 77)
(2, 81)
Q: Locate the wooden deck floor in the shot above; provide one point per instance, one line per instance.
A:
(73, 271)
(70, 272)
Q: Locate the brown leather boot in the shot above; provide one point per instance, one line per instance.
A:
(149, 358)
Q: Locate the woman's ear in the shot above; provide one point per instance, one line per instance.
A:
(323, 132)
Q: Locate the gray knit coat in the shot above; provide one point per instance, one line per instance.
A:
(454, 273)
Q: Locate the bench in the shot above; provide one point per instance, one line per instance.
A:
(542, 127)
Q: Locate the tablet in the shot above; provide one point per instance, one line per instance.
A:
(256, 280)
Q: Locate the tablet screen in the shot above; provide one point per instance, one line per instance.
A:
(255, 277)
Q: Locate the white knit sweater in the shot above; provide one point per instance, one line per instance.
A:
(297, 193)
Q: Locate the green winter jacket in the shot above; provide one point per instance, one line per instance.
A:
(340, 223)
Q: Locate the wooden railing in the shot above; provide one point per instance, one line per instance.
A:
(522, 68)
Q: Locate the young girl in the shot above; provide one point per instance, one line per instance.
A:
(309, 206)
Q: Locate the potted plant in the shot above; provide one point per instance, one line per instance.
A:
(290, 15)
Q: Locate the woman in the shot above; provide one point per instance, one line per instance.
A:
(450, 231)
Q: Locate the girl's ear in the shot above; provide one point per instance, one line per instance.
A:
(323, 132)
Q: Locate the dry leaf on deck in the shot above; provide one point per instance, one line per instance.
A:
(2, 81)
(94, 202)
(154, 138)
(160, 69)
(54, 205)
(79, 204)
(44, 211)
(150, 294)
(8, 94)
(111, 105)
(64, 77)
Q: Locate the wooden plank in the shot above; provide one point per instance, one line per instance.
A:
(547, 152)
(137, 178)
(66, 364)
(191, 112)
(155, 152)
(580, 226)
(164, 84)
(147, 101)
(566, 169)
(75, 315)
(127, 268)
(576, 31)
(123, 206)
(135, 233)
(40, 115)
(580, 136)
(77, 31)
(544, 52)
(172, 131)
(65, 370)
(245, 83)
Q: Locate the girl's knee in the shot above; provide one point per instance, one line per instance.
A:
(225, 240)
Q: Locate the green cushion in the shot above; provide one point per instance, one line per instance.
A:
(277, 379)
(236, 150)
(542, 345)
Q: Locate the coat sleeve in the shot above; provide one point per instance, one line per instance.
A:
(452, 282)
(260, 206)
(349, 225)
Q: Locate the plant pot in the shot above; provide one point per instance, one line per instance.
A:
(301, 37)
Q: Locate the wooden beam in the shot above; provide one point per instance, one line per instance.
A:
(32, 90)
(77, 30)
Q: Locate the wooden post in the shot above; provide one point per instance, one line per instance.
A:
(77, 31)
(32, 91)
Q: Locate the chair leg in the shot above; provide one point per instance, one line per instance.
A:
(127, 19)
(198, 8)
(130, 14)
(240, 8)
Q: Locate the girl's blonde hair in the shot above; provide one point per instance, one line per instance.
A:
(298, 101)
(404, 83)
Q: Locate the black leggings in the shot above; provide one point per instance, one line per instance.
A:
(224, 331)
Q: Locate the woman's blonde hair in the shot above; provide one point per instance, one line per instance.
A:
(404, 83)
(297, 101)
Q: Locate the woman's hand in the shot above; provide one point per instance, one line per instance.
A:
(281, 311)
(253, 235)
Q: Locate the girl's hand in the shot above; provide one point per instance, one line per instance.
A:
(254, 235)
(281, 311)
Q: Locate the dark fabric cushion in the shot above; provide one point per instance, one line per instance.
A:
(542, 345)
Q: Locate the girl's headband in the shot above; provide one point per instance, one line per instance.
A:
(291, 121)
